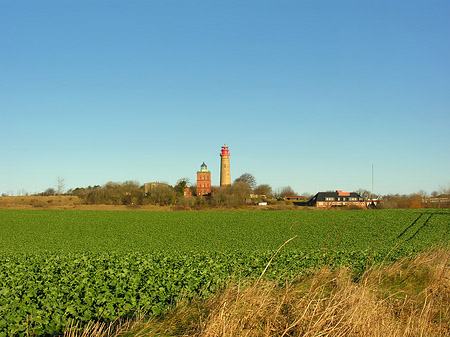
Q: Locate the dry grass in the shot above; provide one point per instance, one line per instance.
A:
(408, 298)
(67, 202)
(36, 202)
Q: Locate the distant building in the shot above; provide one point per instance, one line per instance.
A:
(372, 202)
(203, 181)
(336, 199)
(442, 201)
(187, 192)
(149, 187)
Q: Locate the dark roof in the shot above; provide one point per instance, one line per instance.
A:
(322, 195)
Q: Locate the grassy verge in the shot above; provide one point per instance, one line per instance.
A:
(410, 297)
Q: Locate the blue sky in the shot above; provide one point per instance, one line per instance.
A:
(305, 93)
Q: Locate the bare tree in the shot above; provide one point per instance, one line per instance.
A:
(364, 193)
(49, 191)
(307, 195)
(185, 179)
(162, 194)
(248, 179)
(263, 189)
(422, 193)
(287, 191)
(231, 195)
(60, 186)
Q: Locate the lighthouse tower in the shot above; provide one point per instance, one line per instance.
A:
(225, 178)
(203, 180)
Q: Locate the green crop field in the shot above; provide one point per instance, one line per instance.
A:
(58, 266)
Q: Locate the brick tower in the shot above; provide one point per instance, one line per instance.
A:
(225, 178)
(203, 180)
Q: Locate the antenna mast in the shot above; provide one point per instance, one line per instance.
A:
(372, 183)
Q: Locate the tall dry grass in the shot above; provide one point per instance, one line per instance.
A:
(408, 298)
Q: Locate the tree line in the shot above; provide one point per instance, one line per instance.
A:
(244, 190)
(133, 193)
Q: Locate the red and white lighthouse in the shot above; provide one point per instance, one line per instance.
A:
(225, 177)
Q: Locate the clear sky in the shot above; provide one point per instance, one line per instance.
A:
(305, 93)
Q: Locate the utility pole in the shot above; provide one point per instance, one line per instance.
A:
(372, 183)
